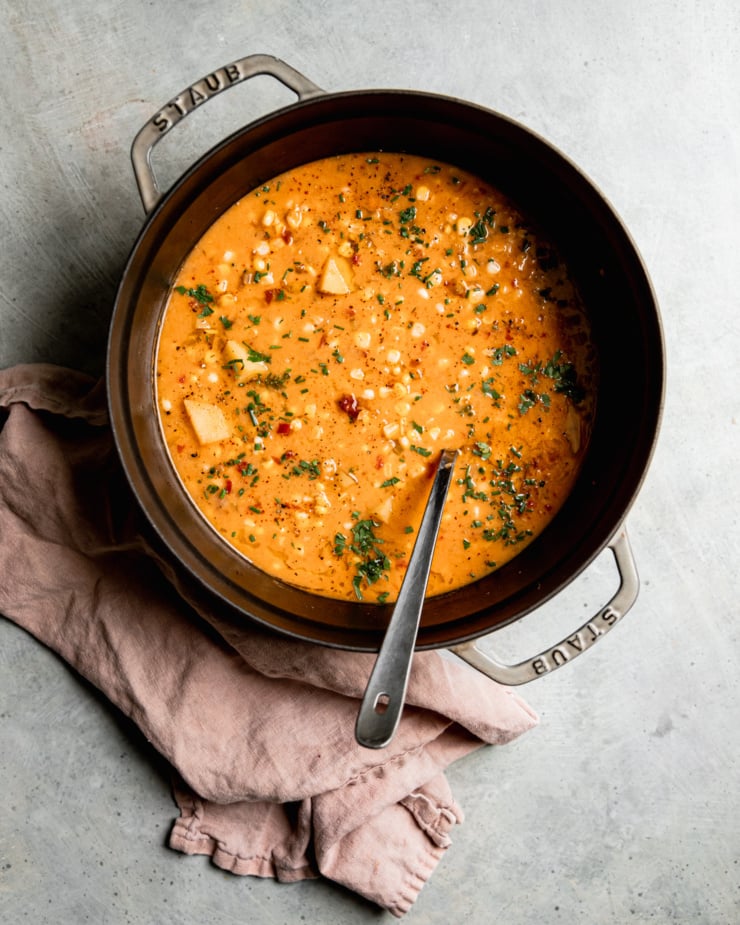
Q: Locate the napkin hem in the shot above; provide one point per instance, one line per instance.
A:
(187, 837)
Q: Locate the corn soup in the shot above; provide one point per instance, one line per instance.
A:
(332, 332)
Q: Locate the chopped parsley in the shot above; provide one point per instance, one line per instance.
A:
(199, 293)
(373, 562)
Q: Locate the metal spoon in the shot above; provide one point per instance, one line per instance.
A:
(380, 710)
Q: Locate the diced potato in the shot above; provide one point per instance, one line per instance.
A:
(208, 421)
(238, 355)
(384, 510)
(335, 277)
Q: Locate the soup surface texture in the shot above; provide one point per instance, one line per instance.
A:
(332, 332)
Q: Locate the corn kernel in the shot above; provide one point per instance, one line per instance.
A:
(293, 219)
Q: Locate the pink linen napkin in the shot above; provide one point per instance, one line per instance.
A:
(259, 728)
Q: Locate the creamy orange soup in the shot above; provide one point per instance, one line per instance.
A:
(332, 332)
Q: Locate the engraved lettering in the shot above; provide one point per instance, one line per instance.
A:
(559, 657)
(178, 106)
(232, 72)
(576, 642)
(213, 82)
(540, 666)
(161, 122)
(609, 615)
(595, 631)
(196, 97)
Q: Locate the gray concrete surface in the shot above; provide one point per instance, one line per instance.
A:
(622, 806)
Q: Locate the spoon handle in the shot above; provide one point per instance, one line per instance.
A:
(380, 710)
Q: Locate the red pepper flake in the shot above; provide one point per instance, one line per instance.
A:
(356, 259)
(228, 486)
(283, 427)
(287, 236)
(271, 294)
(181, 379)
(350, 406)
(180, 447)
(379, 462)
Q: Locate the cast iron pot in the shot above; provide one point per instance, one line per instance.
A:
(552, 191)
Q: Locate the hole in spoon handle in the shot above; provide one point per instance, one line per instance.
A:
(381, 703)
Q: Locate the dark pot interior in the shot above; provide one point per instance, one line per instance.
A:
(601, 257)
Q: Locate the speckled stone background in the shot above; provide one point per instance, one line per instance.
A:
(622, 806)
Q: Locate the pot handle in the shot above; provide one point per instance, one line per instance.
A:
(193, 96)
(574, 644)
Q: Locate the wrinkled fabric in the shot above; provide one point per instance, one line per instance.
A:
(259, 729)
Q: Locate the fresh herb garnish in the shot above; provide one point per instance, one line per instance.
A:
(406, 216)
(200, 294)
(478, 233)
(254, 356)
(373, 564)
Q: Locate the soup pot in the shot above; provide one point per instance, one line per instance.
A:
(602, 260)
